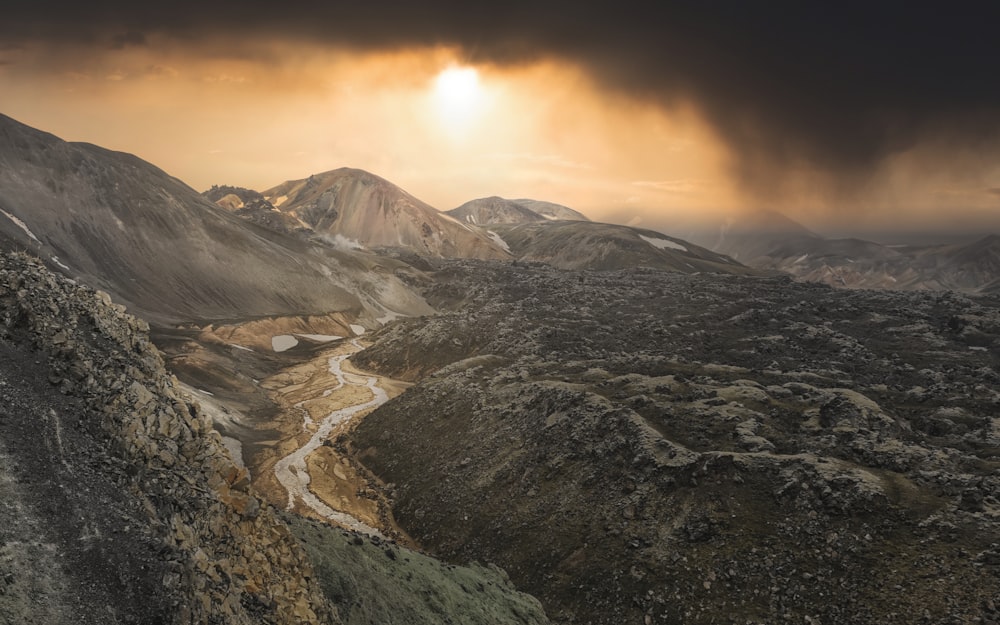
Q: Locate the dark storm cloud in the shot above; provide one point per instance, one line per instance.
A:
(128, 39)
(834, 87)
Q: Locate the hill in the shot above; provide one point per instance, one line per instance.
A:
(372, 212)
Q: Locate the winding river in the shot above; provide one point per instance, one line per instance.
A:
(292, 471)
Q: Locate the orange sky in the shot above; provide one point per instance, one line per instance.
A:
(542, 129)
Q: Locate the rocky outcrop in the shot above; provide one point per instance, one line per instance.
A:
(220, 555)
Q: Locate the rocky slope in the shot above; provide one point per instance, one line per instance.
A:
(591, 245)
(122, 505)
(253, 206)
(122, 225)
(369, 211)
(652, 447)
(119, 503)
(551, 210)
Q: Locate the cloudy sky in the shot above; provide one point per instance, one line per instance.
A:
(850, 117)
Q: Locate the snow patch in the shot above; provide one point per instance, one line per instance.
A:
(977, 348)
(278, 201)
(359, 330)
(663, 243)
(499, 241)
(243, 347)
(56, 260)
(800, 259)
(554, 218)
(20, 224)
(283, 342)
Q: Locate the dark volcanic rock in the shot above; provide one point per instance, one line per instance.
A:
(650, 447)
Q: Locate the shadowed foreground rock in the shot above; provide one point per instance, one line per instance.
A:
(120, 503)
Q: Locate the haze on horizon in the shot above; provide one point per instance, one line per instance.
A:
(852, 119)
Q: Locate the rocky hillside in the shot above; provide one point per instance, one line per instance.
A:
(253, 206)
(494, 210)
(651, 447)
(119, 503)
(551, 210)
(855, 263)
(120, 224)
(371, 212)
(497, 210)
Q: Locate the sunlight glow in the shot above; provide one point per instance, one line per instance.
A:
(458, 96)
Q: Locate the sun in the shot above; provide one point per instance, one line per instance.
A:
(458, 97)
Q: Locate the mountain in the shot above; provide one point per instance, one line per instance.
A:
(497, 210)
(122, 225)
(592, 245)
(372, 212)
(550, 210)
(748, 235)
(494, 210)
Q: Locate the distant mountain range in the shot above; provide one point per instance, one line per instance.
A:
(125, 226)
(770, 240)
(352, 207)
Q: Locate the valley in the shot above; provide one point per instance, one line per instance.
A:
(329, 402)
(321, 401)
